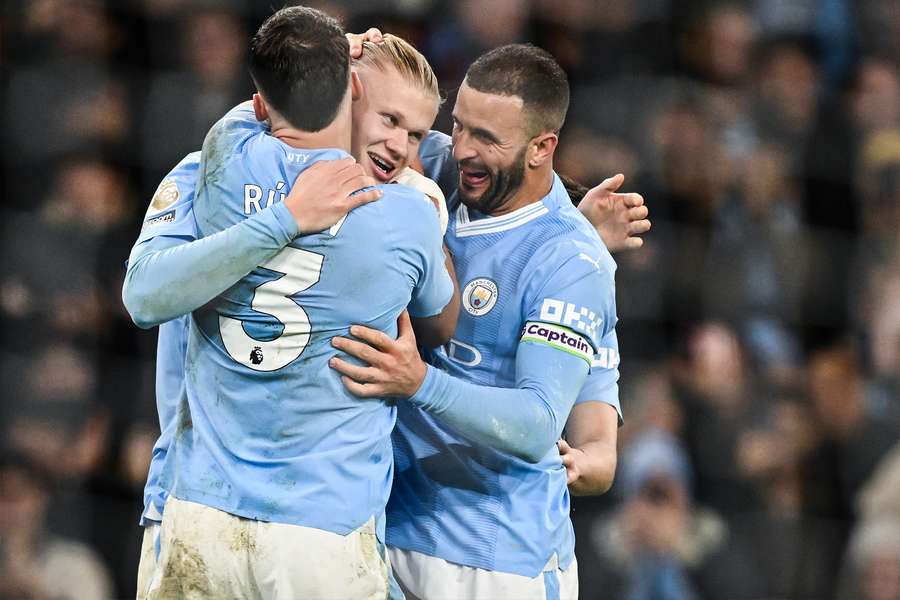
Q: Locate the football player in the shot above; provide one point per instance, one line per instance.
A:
(282, 476)
(480, 505)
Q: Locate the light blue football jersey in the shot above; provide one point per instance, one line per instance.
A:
(169, 214)
(269, 432)
(522, 277)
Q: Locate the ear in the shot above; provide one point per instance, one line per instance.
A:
(260, 108)
(541, 149)
(356, 86)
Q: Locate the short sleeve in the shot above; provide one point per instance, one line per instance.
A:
(171, 209)
(423, 248)
(572, 305)
(602, 384)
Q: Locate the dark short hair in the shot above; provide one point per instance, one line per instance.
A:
(300, 63)
(530, 73)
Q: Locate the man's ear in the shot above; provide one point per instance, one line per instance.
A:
(356, 86)
(260, 108)
(541, 149)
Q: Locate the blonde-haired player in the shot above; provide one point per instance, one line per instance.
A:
(398, 104)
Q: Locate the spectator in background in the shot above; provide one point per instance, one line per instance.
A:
(851, 442)
(755, 267)
(68, 75)
(873, 569)
(716, 393)
(183, 103)
(770, 453)
(62, 257)
(658, 545)
(34, 563)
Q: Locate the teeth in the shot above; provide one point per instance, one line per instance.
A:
(381, 164)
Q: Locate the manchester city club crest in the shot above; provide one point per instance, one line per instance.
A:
(479, 296)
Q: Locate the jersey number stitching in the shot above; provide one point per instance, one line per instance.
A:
(299, 270)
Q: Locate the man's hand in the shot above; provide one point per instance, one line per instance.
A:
(619, 218)
(325, 192)
(572, 460)
(395, 367)
(356, 40)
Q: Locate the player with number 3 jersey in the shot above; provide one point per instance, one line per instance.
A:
(272, 454)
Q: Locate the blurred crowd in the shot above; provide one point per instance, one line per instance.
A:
(759, 324)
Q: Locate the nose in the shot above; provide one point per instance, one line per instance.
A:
(396, 143)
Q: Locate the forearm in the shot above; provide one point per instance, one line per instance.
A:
(597, 469)
(167, 278)
(519, 421)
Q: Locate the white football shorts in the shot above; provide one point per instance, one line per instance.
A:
(208, 553)
(424, 577)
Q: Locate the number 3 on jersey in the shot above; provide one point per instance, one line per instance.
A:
(299, 271)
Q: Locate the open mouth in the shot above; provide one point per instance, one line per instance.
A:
(472, 177)
(382, 168)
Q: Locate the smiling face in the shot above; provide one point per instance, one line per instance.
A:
(390, 120)
(489, 145)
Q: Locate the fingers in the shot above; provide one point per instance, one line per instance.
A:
(374, 35)
(350, 172)
(373, 337)
(638, 213)
(563, 446)
(639, 227)
(356, 40)
(355, 372)
(358, 350)
(357, 199)
(613, 183)
(404, 326)
(357, 183)
(632, 243)
(361, 390)
(632, 200)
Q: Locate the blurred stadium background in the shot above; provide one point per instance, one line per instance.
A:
(759, 325)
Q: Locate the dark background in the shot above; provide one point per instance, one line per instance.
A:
(759, 324)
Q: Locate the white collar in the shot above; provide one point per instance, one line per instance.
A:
(465, 227)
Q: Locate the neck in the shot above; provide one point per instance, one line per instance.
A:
(536, 185)
(329, 137)
(335, 135)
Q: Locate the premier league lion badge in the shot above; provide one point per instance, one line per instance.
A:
(479, 296)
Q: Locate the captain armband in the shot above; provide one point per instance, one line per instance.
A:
(561, 338)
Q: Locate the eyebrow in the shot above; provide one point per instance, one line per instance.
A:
(480, 132)
(401, 119)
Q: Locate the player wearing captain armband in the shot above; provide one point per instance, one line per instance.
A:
(271, 454)
(480, 504)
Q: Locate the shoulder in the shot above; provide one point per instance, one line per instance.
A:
(567, 238)
(399, 197)
(186, 170)
(229, 135)
(239, 120)
(409, 213)
(177, 187)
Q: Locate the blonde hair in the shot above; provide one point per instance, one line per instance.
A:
(409, 62)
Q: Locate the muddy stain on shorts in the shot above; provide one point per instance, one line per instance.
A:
(185, 574)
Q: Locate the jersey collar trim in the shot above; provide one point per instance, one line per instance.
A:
(465, 227)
